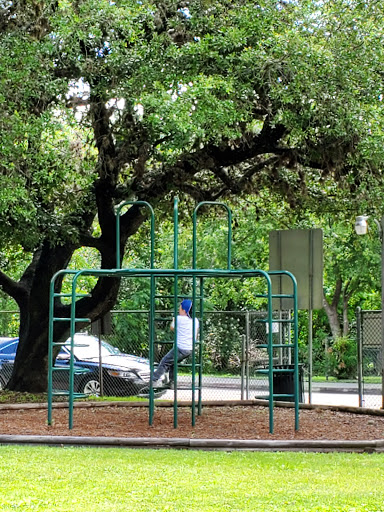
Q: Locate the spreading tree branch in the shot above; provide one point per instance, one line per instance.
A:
(11, 287)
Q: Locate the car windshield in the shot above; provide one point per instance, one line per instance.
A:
(88, 348)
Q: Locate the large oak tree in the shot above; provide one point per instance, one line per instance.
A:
(105, 101)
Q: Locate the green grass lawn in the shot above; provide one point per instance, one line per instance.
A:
(105, 479)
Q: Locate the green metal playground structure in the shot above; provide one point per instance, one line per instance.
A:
(195, 276)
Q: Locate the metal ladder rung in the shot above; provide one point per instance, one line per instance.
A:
(62, 319)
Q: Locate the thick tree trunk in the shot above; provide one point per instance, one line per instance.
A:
(333, 319)
(345, 314)
(331, 311)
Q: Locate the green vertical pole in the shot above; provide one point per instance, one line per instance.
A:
(152, 348)
(194, 254)
(270, 354)
(193, 350)
(175, 305)
(50, 348)
(118, 212)
(229, 237)
(296, 352)
(194, 237)
(201, 337)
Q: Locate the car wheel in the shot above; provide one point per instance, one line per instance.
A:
(91, 387)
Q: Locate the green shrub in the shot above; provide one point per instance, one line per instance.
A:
(343, 358)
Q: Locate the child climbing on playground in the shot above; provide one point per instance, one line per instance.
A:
(184, 327)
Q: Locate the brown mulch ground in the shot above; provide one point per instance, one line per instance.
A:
(236, 422)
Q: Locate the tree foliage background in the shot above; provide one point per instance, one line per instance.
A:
(105, 101)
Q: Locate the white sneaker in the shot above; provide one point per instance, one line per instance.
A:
(157, 383)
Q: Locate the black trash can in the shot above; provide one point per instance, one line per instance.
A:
(284, 383)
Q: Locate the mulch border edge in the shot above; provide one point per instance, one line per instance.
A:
(208, 403)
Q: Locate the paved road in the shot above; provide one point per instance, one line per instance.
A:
(325, 393)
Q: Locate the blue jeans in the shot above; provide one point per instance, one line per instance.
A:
(168, 363)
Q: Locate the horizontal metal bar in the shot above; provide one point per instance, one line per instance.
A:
(174, 272)
(57, 319)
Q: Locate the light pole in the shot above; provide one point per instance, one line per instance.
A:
(361, 228)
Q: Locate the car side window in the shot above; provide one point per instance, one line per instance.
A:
(9, 349)
(63, 355)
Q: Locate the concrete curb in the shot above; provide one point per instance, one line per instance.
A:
(198, 444)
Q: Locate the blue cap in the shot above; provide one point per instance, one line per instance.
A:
(187, 305)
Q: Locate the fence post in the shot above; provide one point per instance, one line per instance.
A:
(359, 356)
(243, 356)
(247, 345)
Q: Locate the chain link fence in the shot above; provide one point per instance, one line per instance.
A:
(231, 357)
(370, 358)
(232, 353)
